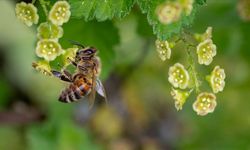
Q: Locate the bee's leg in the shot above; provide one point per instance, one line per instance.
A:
(68, 74)
(72, 62)
(61, 76)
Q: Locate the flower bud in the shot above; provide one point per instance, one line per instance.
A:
(49, 31)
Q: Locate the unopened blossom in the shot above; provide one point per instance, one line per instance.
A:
(205, 36)
(49, 31)
(217, 79)
(169, 12)
(178, 76)
(180, 97)
(163, 49)
(48, 49)
(27, 13)
(43, 67)
(60, 13)
(206, 50)
(205, 103)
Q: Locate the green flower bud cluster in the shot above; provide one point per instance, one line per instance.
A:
(206, 50)
(185, 80)
(206, 101)
(171, 11)
(48, 33)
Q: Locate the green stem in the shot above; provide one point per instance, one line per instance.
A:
(43, 4)
(33, 1)
(193, 70)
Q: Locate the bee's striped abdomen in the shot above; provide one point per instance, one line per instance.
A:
(75, 92)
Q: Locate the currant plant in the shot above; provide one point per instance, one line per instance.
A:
(185, 81)
(48, 33)
(168, 19)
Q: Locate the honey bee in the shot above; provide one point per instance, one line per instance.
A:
(85, 81)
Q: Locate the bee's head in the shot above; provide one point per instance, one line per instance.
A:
(85, 53)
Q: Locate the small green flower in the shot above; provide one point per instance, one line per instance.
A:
(60, 13)
(180, 97)
(206, 50)
(49, 49)
(43, 67)
(178, 76)
(187, 6)
(205, 103)
(169, 12)
(217, 79)
(163, 49)
(27, 13)
(49, 31)
(68, 54)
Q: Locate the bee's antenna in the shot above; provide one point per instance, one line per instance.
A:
(76, 43)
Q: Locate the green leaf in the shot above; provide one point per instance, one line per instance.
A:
(143, 28)
(100, 9)
(201, 2)
(163, 32)
(103, 35)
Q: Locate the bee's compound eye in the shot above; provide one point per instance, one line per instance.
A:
(88, 51)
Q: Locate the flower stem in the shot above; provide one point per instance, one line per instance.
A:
(33, 1)
(193, 70)
(43, 4)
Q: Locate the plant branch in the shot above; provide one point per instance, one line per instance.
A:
(33, 1)
(194, 75)
(43, 4)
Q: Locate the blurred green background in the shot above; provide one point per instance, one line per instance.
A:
(141, 112)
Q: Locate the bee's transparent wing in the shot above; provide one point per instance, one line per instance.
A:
(92, 93)
(100, 89)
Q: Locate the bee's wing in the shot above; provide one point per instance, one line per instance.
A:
(100, 89)
(93, 92)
